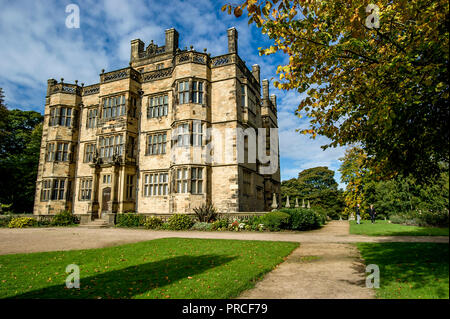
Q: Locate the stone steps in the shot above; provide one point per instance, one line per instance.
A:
(97, 223)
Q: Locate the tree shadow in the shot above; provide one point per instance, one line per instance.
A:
(131, 281)
(417, 264)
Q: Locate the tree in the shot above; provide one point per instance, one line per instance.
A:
(19, 158)
(317, 185)
(374, 75)
(397, 195)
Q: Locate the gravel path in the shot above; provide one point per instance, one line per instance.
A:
(326, 265)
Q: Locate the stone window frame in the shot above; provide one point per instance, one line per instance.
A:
(197, 91)
(91, 119)
(182, 134)
(162, 104)
(46, 190)
(105, 146)
(198, 133)
(85, 193)
(57, 118)
(155, 183)
(59, 188)
(196, 180)
(160, 145)
(89, 152)
(114, 104)
(59, 151)
(183, 92)
(182, 180)
(191, 94)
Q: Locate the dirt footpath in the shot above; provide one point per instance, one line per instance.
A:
(316, 271)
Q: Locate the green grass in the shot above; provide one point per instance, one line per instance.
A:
(409, 270)
(384, 228)
(162, 268)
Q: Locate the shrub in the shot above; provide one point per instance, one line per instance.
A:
(202, 226)
(180, 222)
(4, 221)
(276, 220)
(153, 223)
(221, 224)
(304, 219)
(421, 218)
(21, 222)
(206, 213)
(129, 220)
(64, 218)
(255, 223)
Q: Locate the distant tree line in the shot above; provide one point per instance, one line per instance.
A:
(20, 141)
(318, 186)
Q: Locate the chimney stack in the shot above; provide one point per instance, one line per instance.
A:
(137, 46)
(256, 72)
(171, 40)
(232, 40)
(273, 99)
(265, 85)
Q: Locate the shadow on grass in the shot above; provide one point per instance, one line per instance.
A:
(133, 280)
(418, 265)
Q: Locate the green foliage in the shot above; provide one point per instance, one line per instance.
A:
(304, 219)
(22, 222)
(275, 221)
(153, 222)
(396, 196)
(4, 220)
(20, 142)
(255, 223)
(180, 222)
(421, 218)
(206, 213)
(130, 220)
(202, 226)
(220, 224)
(317, 185)
(64, 218)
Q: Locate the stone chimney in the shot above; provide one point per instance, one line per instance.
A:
(256, 72)
(50, 83)
(137, 47)
(171, 40)
(232, 40)
(265, 87)
(273, 99)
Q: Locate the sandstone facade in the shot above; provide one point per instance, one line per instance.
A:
(146, 138)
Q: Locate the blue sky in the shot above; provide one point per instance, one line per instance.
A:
(36, 46)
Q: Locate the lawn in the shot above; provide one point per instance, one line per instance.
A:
(384, 228)
(409, 270)
(162, 268)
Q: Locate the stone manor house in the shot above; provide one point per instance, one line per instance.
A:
(109, 147)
